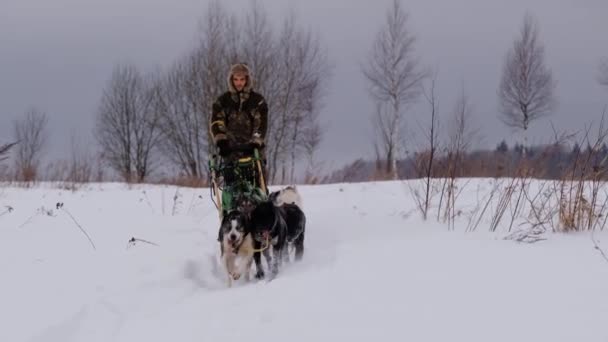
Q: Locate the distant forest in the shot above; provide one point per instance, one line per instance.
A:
(555, 161)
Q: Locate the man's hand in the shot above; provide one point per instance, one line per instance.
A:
(256, 141)
(255, 144)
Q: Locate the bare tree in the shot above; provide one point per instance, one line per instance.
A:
(81, 163)
(312, 69)
(461, 136)
(281, 104)
(31, 135)
(526, 90)
(78, 168)
(301, 71)
(191, 86)
(218, 49)
(311, 139)
(432, 138)
(424, 161)
(127, 124)
(603, 72)
(394, 81)
(182, 118)
(259, 49)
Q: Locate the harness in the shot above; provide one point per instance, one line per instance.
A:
(267, 236)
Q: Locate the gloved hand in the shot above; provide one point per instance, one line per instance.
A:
(254, 144)
(223, 147)
(256, 141)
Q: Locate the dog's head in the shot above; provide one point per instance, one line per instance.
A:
(245, 205)
(264, 221)
(233, 228)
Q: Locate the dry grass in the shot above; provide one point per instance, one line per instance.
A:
(582, 195)
(184, 181)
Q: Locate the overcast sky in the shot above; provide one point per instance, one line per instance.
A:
(57, 56)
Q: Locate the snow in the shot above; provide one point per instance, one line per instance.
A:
(372, 270)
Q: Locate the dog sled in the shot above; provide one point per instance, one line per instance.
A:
(237, 180)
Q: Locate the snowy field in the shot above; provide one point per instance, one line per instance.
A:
(372, 271)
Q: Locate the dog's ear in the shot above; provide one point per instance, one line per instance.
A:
(273, 196)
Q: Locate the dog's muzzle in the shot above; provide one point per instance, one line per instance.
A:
(234, 241)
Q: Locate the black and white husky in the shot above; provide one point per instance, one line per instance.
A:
(289, 201)
(269, 232)
(236, 245)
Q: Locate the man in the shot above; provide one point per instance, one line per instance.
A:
(240, 116)
(239, 120)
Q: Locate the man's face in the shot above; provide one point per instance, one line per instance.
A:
(239, 81)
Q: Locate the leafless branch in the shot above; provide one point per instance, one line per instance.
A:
(4, 149)
(597, 247)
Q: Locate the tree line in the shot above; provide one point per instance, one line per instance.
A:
(148, 121)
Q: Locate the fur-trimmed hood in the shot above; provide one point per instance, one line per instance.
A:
(238, 69)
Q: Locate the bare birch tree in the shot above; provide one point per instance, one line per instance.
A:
(127, 123)
(394, 81)
(526, 90)
(32, 136)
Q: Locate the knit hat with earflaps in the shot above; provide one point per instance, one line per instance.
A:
(240, 69)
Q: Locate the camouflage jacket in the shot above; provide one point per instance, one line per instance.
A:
(240, 118)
